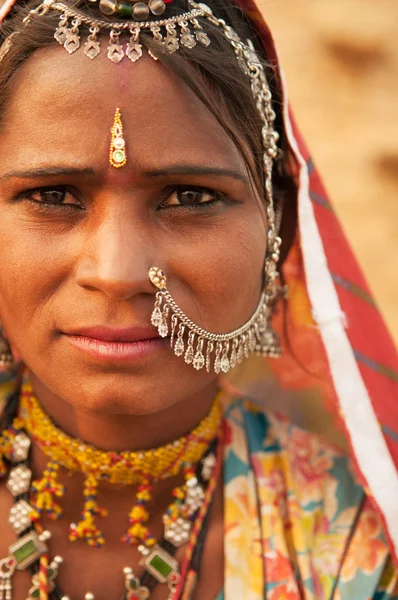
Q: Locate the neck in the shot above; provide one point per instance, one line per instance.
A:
(126, 432)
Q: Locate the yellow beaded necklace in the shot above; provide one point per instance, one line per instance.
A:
(142, 468)
(117, 467)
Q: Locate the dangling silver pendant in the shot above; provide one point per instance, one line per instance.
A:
(62, 30)
(7, 568)
(115, 50)
(134, 48)
(187, 39)
(171, 43)
(134, 51)
(72, 41)
(200, 35)
(115, 53)
(92, 46)
(202, 38)
(198, 346)
(60, 35)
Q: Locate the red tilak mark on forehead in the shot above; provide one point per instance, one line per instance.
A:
(124, 72)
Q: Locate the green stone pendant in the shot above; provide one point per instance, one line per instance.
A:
(162, 566)
(27, 549)
(119, 156)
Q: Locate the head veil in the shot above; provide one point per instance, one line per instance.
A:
(339, 359)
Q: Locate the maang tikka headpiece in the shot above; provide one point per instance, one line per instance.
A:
(117, 150)
(201, 348)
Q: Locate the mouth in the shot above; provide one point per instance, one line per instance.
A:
(107, 343)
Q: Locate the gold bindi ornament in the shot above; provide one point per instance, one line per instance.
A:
(117, 151)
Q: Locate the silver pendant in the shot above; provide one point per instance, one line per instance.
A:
(188, 40)
(178, 532)
(208, 466)
(134, 51)
(19, 480)
(115, 50)
(62, 30)
(19, 518)
(203, 38)
(72, 42)
(171, 44)
(7, 568)
(92, 46)
(20, 446)
(60, 34)
(115, 53)
(92, 49)
(194, 496)
(34, 592)
(162, 566)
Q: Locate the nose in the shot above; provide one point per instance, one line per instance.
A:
(116, 259)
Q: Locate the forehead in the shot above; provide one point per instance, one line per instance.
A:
(64, 105)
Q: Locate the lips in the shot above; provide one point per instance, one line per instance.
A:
(115, 335)
(115, 345)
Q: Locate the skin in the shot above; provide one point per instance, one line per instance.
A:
(88, 265)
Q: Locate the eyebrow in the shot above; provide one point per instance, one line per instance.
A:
(48, 172)
(196, 170)
(172, 170)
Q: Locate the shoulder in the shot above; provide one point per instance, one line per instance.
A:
(270, 433)
(313, 477)
(313, 502)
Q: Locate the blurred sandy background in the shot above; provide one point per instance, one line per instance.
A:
(341, 62)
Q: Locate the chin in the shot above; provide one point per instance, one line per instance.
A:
(129, 394)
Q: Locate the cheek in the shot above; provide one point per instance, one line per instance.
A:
(33, 265)
(218, 271)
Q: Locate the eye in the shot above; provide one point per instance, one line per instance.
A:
(53, 196)
(191, 196)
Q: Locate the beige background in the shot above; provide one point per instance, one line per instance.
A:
(341, 62)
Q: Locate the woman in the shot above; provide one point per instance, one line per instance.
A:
(157, 234)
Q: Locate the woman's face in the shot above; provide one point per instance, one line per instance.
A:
(78, 236)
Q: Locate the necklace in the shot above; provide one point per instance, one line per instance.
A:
(189, 507)
(31, 550)
(142, 468)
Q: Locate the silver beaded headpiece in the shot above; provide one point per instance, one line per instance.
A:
(201, 348)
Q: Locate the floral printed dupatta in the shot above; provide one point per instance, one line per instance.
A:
(344, 362)
(298, 526)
